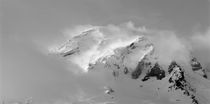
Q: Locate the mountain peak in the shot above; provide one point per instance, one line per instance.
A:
(179, 82)
(133, 56)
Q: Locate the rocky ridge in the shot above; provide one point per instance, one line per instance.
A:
(145, 66)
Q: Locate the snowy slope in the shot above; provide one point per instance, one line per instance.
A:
(136, 58)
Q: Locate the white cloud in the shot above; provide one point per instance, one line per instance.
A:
(69, 33)
(169, 47)
(105, 39)
(202, 39)
(100, 42)
(201, 46)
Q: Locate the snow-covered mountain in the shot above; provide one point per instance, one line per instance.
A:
(136, 58)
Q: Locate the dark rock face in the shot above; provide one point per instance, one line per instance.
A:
(137, 72)
(109, 91)
(132, 46)
(70, 52)
(205, 76)
(195, 64)
(179, 82)
(141, 66)
(172, 65)
(156, 71)
(125, 70)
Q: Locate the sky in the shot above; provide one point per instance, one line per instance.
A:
(28, 27)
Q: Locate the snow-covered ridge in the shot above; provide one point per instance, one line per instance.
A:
(93, 46)
(135, 56)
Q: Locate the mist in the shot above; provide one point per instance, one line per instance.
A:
(104, 40)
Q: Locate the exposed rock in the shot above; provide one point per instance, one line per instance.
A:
(195, 64)
(156, 71)
(196, 67)
(119, 61)
(132, 46)
(179, 82)
(141, 66)
(172, 66)
(125, 70)
(205, 76)
(137, 72)
(108, 90)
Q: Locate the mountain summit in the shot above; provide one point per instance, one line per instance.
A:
(135, 56)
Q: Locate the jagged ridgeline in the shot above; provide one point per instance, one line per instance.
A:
(136, 58)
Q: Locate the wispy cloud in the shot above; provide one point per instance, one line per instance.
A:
(201, 45)
(105, 39)
(202, 39)
(99, 42)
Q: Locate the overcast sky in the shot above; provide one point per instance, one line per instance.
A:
(30, 26)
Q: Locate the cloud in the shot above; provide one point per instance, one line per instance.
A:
(98, 42)
(201, 46)
(202, 39)
(169, 47)
(74, 31)
(105, 39)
